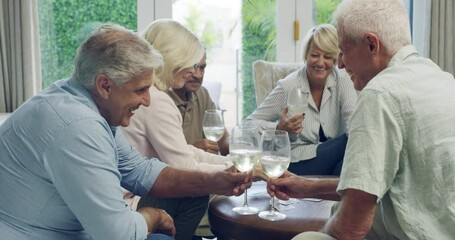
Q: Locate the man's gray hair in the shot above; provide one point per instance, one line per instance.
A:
(387, 19)
(116, 52)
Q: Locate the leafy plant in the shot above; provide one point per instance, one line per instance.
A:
(258, 39)
(258, 42)
(324, 10)
(64, 24)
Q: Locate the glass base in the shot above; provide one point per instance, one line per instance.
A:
(272, 216)
(245, 210)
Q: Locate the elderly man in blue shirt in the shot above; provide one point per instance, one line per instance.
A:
(64, 161)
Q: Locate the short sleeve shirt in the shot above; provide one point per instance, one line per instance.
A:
(401, 147)
(193, 112)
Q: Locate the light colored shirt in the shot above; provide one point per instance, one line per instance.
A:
(61, 169)
(401, 147)
(338, 102)
(192, 112)
(156, 131)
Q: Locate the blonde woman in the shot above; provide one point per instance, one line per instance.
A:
(156, 131)
(321, 140)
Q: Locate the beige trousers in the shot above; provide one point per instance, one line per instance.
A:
(377, 230)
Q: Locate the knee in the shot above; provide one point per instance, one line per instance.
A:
(313, 236)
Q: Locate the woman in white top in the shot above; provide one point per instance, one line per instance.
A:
(319, 146)
(156, 131)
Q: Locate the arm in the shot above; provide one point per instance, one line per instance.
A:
(222, 146)
(85, 174)
(174, 182)
(266, 115)
(158, 129)
(371, 164)
(291, 185)
(158, 221)
(355, 216)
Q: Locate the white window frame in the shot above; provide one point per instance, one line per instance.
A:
(287, 12)
(150, 10)
(288, 50)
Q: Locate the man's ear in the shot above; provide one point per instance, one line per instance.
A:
(373, 42)
(103, 86)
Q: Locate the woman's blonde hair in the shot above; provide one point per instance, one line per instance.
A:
(179, 47)
(324, 36)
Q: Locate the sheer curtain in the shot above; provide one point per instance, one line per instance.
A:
(442, 34)
(20, 68)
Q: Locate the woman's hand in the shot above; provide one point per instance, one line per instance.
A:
(292, 124)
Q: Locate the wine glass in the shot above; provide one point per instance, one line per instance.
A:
(213, 125)
(245, 152)
(275, 159)
(297, 102)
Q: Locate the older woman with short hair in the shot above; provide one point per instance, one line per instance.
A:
(156, 131)
(319, 146)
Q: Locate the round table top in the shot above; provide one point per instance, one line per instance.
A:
(303, 215)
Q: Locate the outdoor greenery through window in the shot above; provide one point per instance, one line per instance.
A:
(64, 24)
(258, 41)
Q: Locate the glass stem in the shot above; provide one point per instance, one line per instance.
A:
(245, 201)
(272, 207)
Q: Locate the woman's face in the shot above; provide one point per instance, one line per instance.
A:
(319, 64)
(180, 78)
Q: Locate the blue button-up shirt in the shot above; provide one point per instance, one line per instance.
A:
(62, 168)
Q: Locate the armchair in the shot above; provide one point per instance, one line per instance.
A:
(266, 74)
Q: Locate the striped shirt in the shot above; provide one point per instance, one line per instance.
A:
(338, 102)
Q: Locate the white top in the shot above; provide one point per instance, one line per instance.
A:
(156, 131)
(401, 147)
(338, 102)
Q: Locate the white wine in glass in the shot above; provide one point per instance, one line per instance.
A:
(297, 102)
(275, 159)
(213, 125)
(245, 152)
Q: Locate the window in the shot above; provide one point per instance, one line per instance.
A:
(64, 24)
(267, 27)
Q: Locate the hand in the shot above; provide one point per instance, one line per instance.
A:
(258, 174)
(230, 182)
(289, 185)
(207, 145)
(158, 221)
(292, 124)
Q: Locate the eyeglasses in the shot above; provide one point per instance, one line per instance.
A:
(200, 67)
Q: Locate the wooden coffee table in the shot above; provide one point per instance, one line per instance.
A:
(305, 215)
